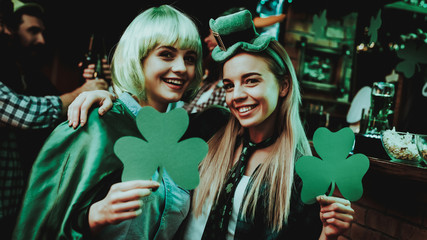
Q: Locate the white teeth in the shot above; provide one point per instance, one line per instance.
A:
(174, 81)
(245, 109)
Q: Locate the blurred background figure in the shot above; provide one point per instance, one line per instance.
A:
(30, 51)
(30, 105)
(31, 58)
(29, 27)
(268, 16)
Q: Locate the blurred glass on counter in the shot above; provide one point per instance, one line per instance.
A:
(315, 117)
(381, 102)
(421, 142)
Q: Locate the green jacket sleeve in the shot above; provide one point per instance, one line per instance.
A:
(67, 174)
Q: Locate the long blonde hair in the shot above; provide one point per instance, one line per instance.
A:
(158, 25)
(278, 169)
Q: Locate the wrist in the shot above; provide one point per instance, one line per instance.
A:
(323, 236)
(68, 98)
(95, 221)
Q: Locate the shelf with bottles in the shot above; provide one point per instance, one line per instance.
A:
(325, 70)
(329, 42)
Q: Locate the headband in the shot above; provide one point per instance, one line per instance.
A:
(236, 32)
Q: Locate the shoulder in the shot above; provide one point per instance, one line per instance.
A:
(206, 123)
(97, 127)
(117, 117)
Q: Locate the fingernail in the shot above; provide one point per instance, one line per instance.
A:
(101, 111)
(155, 187)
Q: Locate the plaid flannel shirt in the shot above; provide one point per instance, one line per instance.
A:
(19, 112)
(28, 112)
(216, 98)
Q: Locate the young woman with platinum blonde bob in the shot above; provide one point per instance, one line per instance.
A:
(75, 189)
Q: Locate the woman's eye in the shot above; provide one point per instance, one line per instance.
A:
(251, 81)
(190, 59)
(227, 86)
(166, 54)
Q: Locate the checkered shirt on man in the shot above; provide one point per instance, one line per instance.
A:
(19, 112)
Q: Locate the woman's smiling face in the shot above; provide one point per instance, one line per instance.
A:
(168, 73)
(252, 90)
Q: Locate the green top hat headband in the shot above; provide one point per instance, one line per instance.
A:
(236, 32)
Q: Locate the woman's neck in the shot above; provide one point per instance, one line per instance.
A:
(264, 130)
(259, 136)
(161, 107)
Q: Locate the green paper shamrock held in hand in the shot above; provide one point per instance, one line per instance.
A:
(334, 168)
(161, 148)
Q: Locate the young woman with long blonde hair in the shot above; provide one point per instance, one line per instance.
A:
(248, 189)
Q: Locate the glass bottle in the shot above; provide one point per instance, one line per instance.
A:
(88, 57)
(381, 101)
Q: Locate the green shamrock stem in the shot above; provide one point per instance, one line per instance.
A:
(332, 188)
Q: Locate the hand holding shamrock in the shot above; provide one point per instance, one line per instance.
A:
(336, 215)
(123, 202)
(161, 149)
(334, 168)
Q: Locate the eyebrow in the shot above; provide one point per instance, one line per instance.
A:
(167, 47)
(192, 52)
(35, 29)
(251, 74)
(246, 75)
(175, 50)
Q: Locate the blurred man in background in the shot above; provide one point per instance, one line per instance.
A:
(24, 118)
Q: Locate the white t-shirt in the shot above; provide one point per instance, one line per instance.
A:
(196, 225)
(237, 202)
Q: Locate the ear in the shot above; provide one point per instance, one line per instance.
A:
(284, 88)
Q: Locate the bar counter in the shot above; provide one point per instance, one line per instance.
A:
(400, 170)
(394, 201)
(384, 165)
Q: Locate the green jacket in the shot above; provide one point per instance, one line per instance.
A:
(76, 168)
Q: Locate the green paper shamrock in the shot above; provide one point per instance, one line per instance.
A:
(374, 26)
(412, 57)
(334, 168)
(162, 148)
(319, 24)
